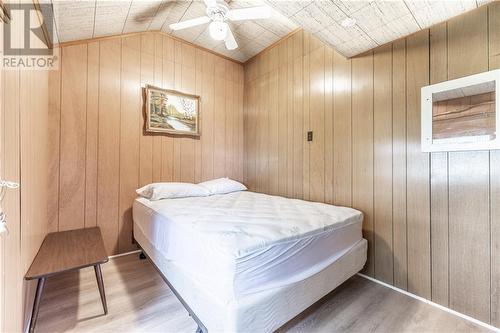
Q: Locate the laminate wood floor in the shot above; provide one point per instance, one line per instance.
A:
(139, 301)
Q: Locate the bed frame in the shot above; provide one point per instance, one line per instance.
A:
(201, 328)
(353, 262)
(223, 309)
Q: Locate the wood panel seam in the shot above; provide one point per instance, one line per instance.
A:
(119, 142)
(392, 161)
(448, 217)
(430, 172)
(86, 130)
(59, 155)
(374, 217)
(98, 139)
(93, 39)
(448, 178)
(406, 159)
(489, 234)
(352, 137)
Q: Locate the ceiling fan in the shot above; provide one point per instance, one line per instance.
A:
(218, 15)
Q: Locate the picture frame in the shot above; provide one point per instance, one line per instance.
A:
(172, 112)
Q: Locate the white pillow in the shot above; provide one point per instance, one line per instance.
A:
(158, 191)
(223, 186)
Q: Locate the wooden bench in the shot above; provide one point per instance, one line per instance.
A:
(66, 251)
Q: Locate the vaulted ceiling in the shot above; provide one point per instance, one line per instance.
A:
(76, 20)
(377, 22)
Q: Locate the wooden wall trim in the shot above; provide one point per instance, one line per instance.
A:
(97, 39)
(278, 42)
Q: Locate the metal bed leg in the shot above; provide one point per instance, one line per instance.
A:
(201, 328)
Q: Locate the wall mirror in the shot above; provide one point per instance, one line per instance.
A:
(462, 114)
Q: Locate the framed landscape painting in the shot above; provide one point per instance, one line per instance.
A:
(173, 112)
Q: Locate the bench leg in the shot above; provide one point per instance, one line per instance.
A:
(36, 303)
(100, 284)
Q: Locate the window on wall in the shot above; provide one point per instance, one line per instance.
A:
(461, 114)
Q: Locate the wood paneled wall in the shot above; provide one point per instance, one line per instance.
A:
(23, 159)
(432, 220)
(100, 152)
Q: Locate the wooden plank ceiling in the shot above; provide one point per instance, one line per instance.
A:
(377, 22)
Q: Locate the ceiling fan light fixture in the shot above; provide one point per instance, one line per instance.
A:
(348, 22)
(218, 15)
(218, 30)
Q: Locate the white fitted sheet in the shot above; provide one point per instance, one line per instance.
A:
(245, 242)
(263, 311)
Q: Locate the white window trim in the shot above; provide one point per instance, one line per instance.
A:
(426, 117)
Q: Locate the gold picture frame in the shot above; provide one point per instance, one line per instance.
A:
(172, 112)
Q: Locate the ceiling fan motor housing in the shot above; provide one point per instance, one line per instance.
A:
(218, 13)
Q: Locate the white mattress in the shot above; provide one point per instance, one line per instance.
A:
(264, 311)
(244, 243)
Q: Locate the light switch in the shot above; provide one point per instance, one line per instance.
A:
(309, 136)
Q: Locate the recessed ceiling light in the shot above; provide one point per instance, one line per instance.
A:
(348, 22)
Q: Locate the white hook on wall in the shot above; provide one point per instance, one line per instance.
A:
(8, 184)
(3, 224)
(4, 184)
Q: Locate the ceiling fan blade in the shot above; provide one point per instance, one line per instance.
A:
(210, 3)
(189, 23)
(230, 41)
(261, 12)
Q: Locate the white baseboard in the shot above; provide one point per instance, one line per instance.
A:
(404, 292)
(424, 300)
(124, 254)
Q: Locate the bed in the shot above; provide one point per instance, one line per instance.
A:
(249, 262)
